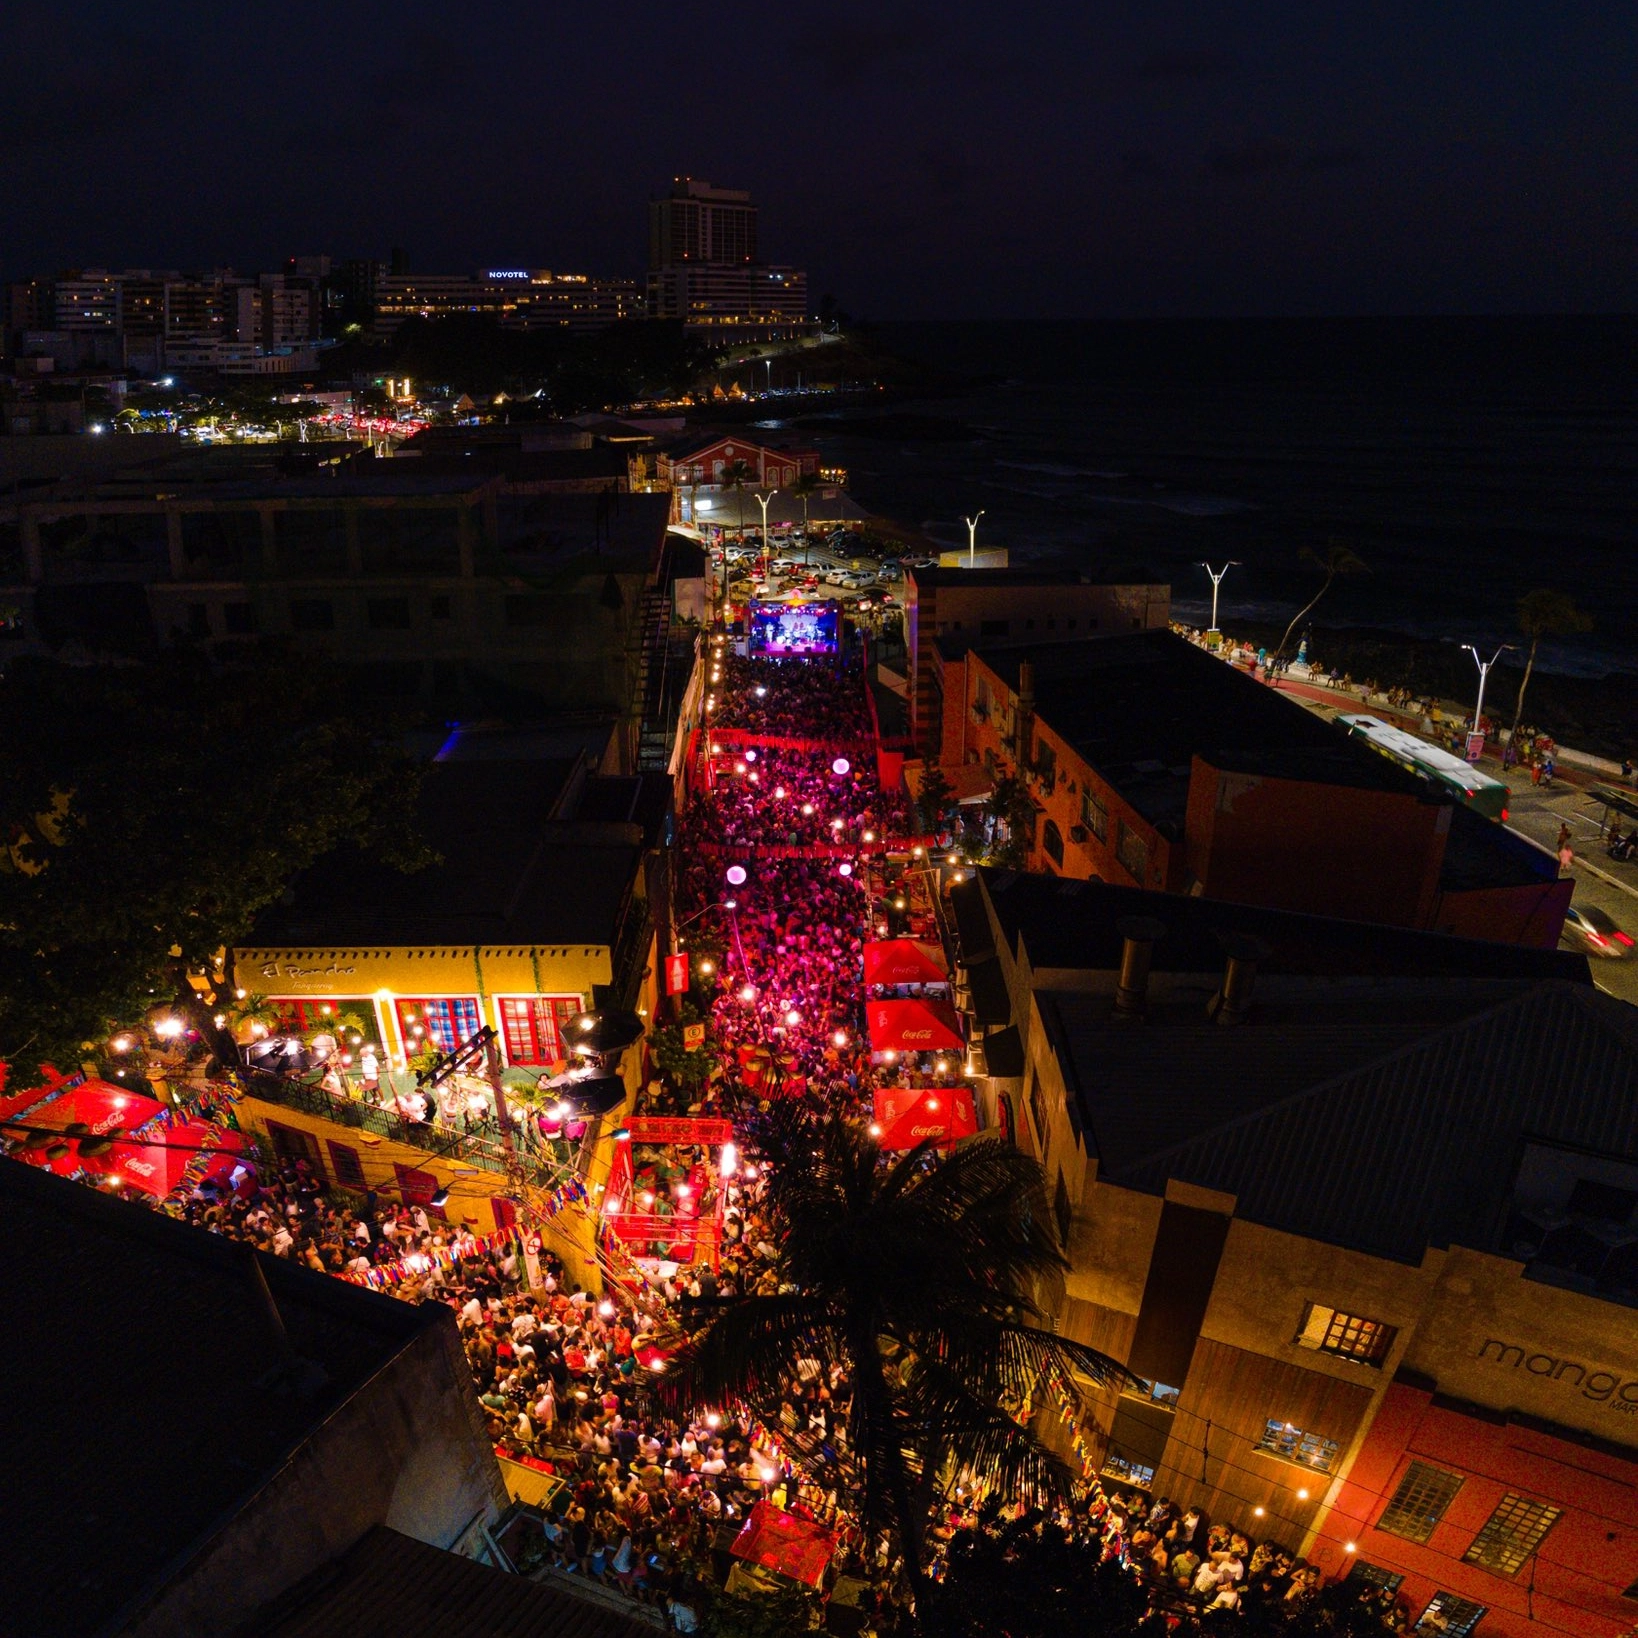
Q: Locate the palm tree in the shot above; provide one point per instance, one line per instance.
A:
(804, 488)
(1338, 560)
(736, 477)
(918, 1279)
(1544, 613)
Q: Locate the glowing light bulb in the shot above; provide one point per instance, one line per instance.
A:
(761, 692)
(840, 1038)
(606, 1308)
(875, 1129)
(793, 1018)
(708, 967)
(870, 836)
(736, 875)
(844, 869)
(841, 765)
(807, 809)
(748, 993)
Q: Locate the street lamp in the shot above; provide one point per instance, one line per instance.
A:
(972, 536)
(762, 501)
(1216, 581)
(1484, 676)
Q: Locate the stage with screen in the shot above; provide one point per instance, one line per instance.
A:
(794, 629)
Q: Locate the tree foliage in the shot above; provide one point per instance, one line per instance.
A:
(1544, 612)
(917, 1279)
(152, 812)
(1334, 563)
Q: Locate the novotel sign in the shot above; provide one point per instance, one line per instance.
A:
(507, 273)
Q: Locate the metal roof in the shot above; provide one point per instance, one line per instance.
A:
(392, 1586)
(1415, 1144)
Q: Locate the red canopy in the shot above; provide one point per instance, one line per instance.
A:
(156, 1167)
(914, 1025)
(909, 1115)
(101, 1106)
(903, 961)
(780, 1541)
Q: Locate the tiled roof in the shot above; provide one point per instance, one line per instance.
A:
(390, 1586)
(144, 1402)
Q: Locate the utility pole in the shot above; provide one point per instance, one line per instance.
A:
(1216, 581)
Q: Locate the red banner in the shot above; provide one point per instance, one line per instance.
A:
(908, 1115)
(903, 961)
(916, 1024)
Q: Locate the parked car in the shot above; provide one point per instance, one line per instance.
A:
(1588, 928)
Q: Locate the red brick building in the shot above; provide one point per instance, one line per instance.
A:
(702, 463)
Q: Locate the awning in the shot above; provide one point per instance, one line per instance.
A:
(903, 961)
(909, 1115)
(156, 1168)
(782, 1542)
(100, 1106)
(914, 1025)
(1623, 802)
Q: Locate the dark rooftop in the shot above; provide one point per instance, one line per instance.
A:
(392, 1586)
(518, 867)
(1387, 1129)
(1139, 707)
(1074, 925)
(982, 579)
(140, 1362)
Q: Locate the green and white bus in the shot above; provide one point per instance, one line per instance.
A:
(1470, 787)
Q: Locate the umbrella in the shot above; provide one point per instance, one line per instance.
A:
(596, 1096)
(903, 961)
(911, 1115)
(914, 1025)
(601, 1032)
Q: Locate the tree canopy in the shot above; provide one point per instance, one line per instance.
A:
(152, 811)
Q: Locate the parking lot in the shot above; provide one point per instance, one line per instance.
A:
(838, 566)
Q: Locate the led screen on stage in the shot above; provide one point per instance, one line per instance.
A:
(779, 629)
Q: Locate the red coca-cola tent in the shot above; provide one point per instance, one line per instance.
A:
(782, 1542)
(100, 1106)
(156, 1167)
(903, 961)
(916, 1024)
(908, 1115)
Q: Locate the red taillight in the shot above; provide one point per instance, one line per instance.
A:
(1624, 938)
(1504, 815)
(1597, 938)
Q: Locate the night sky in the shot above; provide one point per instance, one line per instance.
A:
(938, 160)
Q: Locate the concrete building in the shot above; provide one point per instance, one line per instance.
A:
(1356, 1207)
(495, 595)
(245, 1423)
(705, 268)
(963, 605)
(515, 298)
(1150, 762)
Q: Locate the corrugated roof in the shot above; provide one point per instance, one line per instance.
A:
(1419, 1145)
(391, 1586)
(142, 1401)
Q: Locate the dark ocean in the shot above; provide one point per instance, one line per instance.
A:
(1465, 460)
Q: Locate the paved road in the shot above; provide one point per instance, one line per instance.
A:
(1537, 814)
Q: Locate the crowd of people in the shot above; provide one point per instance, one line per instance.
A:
(650, 1499)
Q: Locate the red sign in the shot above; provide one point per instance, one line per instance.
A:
(693, 1037)
(676, 975)
(915, 1024)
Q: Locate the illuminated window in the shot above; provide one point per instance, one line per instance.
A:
(1450, 1616)
(441, 1024)
(344, 1015)
(1116, 1466)
(1511, 1534)
(1292, 1444)
(1346, 1335)
(1420, 1502)
(533, 1027)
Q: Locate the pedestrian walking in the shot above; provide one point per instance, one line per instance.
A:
(1566, 859)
